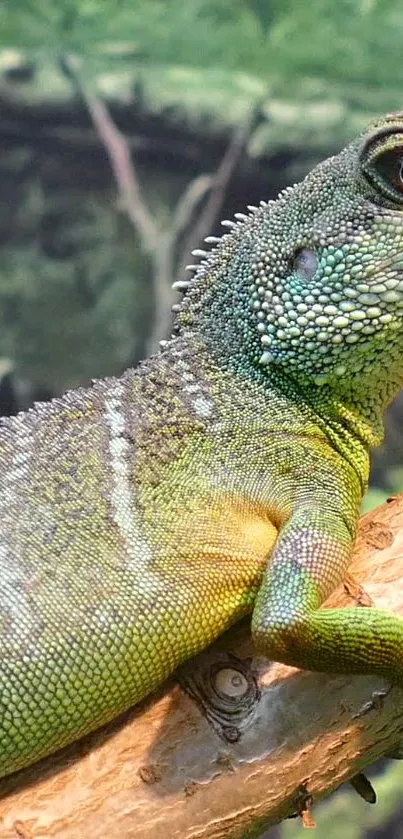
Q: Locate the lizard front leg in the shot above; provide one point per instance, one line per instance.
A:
(311, 555)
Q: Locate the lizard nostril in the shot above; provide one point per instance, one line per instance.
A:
(305, 263)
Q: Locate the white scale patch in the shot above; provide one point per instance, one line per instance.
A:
(18, 473)
(202, 406)
(122, 498)
(14, 599)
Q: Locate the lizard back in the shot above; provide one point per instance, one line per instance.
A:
(112, 534)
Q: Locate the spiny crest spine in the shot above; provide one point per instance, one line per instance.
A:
(204, 255)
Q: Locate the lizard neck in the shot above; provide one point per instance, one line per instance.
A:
(356, 401)
(352, 425)
(347, 395)
(269, 399)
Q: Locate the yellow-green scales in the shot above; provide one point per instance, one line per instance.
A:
(143, 516)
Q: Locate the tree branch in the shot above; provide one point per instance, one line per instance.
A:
(188, 201)
(236, 744)
(160, 245)
(118, 151)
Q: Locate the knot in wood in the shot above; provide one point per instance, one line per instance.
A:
(225, 690)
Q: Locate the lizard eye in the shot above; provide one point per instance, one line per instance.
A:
(305, 264)
(382, 165)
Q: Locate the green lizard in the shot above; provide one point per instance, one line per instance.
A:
(140, 518)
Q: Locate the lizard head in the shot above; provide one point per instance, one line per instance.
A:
(336, 309)
(311, 285)
(313, 282)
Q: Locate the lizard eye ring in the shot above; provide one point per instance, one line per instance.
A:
(382, 163)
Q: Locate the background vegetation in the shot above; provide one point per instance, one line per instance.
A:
(218, 103)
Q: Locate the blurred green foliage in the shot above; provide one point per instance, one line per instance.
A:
(352, 40)
(376, 495)
(347, 815)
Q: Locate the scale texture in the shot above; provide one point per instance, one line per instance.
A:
(142, 517)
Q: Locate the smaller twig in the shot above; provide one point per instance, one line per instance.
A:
(193, 194)
(232, 155)
(363, 787)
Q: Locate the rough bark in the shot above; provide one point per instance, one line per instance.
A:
(231, 746)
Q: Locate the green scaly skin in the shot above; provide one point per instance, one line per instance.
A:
(142, 517)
